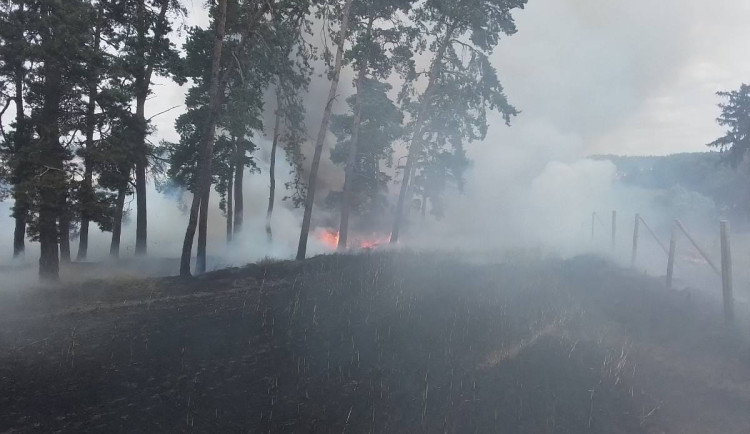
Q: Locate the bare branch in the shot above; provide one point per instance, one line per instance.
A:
(465, 45)
(239, 67)
(2, 130)
(165, 111)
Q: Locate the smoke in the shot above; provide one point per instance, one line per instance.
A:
(624, 76)
(619, 77)
(167, 221)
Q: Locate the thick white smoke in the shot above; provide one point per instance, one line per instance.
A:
(590, 77)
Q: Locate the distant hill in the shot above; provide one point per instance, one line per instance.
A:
(703, 172)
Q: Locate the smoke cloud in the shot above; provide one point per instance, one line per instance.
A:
(631, 77)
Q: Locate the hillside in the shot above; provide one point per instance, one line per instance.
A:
(705, 173)
(379, 342)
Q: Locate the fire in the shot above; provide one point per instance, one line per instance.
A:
(374, 241)
(330, 239)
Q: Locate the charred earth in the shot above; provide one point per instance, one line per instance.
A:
(378, 342)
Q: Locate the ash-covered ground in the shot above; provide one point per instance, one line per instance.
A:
(379, 342)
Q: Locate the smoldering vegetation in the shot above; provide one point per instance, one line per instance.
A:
(380, 342)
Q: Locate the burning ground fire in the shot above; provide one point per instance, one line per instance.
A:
(330, 239)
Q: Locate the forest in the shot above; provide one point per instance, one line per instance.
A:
(77, 77)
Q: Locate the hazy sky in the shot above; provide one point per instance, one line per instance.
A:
(604, 76)
(626, 76)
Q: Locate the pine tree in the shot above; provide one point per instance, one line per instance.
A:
(380, 123)
(60, 30)
(292, 70)
(247, 65)
(461, 79)
(735, 116)
(374, 52)
(205, 147)
(335, 75)
(14, 52)
(147, 51)
(105, 103)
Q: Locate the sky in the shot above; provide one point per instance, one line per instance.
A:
(631, 77)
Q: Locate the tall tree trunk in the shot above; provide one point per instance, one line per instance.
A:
(20, 190)
(141, 225)
(230, 210)
(203, 187)
(51, 181)
(351, 162)
(114, 247)
(87, 196)
(239, 202)
(20, 194)
(416, 142)
(200, 259)
(311, 184)
(272, 168)
(141, 93)
(20, 211)
(142, 86)
(64, 229)
(424, 206)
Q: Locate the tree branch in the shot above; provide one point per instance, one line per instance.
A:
(165, 111)
(466, 46)
(2, 130)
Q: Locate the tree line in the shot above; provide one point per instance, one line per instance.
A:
(76, 80)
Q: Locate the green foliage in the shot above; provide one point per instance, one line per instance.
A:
(381, 126)
(735, 116)
(273, 54)
(463, 85)
(700, 173)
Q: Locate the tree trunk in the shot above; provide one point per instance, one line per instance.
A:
(20, 195)
(64, 229)
(239, 203)
(87, 193)
(87, 187)
(272, 168)
(203, 187)
(416, 142)
(311, 185)
(51, 183)
(142, 86)
(141, 225)
(200, 262)
(114, 247)
(351, 163)
(230, 210)
(20, 210)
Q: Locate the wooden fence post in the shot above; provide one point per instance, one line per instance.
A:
(670, 261)
(726, 273)
(593, 223)
(635, 240)
(614, 229)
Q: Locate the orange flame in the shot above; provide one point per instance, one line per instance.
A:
(374, 242)
(330, 239)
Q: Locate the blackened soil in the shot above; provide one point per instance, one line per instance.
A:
(385, 342)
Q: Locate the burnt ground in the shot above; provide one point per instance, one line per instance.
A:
(380, 342)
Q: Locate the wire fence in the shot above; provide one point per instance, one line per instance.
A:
(678, 234)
